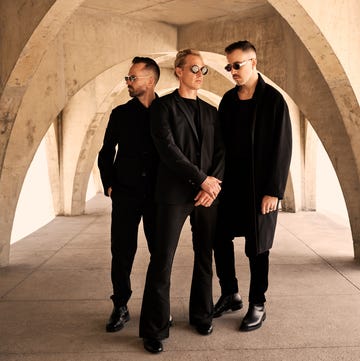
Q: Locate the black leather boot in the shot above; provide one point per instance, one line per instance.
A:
(231, 302)
(152, 345)
(118, 318)
(254, 317)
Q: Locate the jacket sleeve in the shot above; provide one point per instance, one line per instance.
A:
(169, 152)
(282, 147)
(107, 154)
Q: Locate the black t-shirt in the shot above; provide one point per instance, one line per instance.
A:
(237, 187)
(193, 107)
(238, 147)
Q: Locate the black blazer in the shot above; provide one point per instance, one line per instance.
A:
(185, 159)
(128, 159)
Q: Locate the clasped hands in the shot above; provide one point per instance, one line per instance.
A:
(210, 189)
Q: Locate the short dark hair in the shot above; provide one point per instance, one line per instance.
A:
(149, 64)
(243, 45)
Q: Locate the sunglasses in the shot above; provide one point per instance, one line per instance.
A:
(237, 65)
(195, 69)
(132, 78)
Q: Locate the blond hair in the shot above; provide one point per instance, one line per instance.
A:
(181, 58)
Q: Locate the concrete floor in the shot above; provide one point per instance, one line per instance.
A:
(54, 297)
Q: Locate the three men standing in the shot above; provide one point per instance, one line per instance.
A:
(253, 127)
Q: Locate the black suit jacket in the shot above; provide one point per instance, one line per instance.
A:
(128, 158)
(185, 158)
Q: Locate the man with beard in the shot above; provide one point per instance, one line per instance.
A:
(127, 163)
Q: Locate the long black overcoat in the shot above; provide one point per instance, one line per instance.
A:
(271, 143)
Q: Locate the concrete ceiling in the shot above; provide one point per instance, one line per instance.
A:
(181, 12)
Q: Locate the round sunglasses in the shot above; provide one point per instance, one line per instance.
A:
(195, 69)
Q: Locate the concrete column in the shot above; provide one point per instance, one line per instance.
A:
(309, 165)
(75, 122)
(53, 159)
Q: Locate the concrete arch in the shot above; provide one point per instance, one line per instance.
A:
(84, 117)
(343, 142)
(315, 80)
(113, 93)
(28, 48)
(93, 136)
(70, 46)
(39, 26)
(52, 82)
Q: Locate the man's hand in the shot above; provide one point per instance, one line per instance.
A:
(109, 191)
(269, 204)
(203, 199)
(211, 185)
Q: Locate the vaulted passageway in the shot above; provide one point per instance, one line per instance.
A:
(66, 64)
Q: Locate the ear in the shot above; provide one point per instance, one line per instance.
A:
(254, 62)
(151, 81)
(178, 72)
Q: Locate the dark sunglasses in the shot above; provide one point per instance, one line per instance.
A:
(195, 69)
(237, 65)
(132, 78)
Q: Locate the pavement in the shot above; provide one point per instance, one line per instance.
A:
(54, 296)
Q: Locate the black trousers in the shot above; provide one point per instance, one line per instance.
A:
(125, 218)
(225, 267)
(155, 311)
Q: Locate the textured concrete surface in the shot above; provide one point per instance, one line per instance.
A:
(54, 296)
(65, 61)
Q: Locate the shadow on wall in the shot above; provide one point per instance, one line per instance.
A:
(36, 195)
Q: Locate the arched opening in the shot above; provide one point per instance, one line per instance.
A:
(334, 128)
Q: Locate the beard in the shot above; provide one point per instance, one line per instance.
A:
(135, 93)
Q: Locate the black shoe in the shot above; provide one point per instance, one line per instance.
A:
(118, 318)
(254, 317)
(204, 329)
(231, 302)
(152, 345)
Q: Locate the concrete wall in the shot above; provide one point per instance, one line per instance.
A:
(65, 67)
(330, 34)
(70, 61)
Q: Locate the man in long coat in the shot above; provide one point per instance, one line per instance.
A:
(257, 134)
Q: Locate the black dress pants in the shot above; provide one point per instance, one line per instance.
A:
(125, 218)
(225, 268)
(155, 312)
